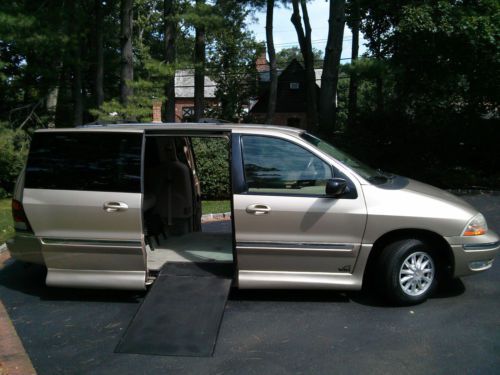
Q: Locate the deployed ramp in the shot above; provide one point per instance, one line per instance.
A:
(182, 312)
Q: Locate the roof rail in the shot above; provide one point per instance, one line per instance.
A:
(98, 123)
(209, 120)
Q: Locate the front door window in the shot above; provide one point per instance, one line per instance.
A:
(277, 166)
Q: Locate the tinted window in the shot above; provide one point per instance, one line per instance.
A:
(275, 165)
(85, 161)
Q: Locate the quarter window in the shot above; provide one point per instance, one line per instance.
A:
(277, 166)
(85, 161)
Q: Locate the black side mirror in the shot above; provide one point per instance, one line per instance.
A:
(335, 187)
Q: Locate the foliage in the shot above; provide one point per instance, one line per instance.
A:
(14, 146)
(6, 222)
(286, 55)
(139, 108)
(212, 163)
(231, 60)
(434, 65)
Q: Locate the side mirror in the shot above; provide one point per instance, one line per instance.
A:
(335, 187)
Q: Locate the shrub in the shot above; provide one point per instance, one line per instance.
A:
(212, 162)
(13, 153)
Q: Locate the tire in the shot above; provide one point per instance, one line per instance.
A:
(407, 272)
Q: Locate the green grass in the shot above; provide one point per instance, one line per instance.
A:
(6, 223)
(215, 207)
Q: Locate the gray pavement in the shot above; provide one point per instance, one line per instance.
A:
(270, 332)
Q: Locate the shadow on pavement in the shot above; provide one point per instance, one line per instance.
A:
(284, 295)
(30, 279)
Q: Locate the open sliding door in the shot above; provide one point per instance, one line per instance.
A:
(83, 198)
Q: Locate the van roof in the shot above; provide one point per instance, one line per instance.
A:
(139, 127)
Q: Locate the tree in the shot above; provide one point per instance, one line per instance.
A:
(286, 55)
(304, 38)
(330, 76)
(231, 57)
(170, 21)
(99, 54)
(199, 67)
(354, 22)
(127, 64)
(273, 85)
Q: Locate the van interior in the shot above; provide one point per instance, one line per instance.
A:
(172, 206)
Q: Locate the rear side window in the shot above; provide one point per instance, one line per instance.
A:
(85, 161)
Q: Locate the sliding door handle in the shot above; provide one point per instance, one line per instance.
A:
(114, 206)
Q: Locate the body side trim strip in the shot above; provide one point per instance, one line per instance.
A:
(296, 246)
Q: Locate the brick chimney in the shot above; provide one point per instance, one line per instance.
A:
(261, 64)
(157, 111)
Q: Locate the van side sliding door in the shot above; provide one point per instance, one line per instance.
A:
(83, 200)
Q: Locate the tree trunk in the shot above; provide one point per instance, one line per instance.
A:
(379, 81)
(99, 63)
(353, 79)
(273, 88)
(170, 35)
(127, 67)
(331, 64)
(77, 87)
(199, 70)
(304, 38)
(75, 40)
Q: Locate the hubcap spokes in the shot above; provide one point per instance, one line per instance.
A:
(416, 274)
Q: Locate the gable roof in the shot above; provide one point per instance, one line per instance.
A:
(289, 98)
(184, 84)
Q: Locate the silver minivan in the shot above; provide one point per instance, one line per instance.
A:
(109, 206)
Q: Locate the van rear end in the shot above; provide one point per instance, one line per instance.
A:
(24, 246)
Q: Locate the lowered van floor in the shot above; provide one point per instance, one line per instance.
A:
(196, 247)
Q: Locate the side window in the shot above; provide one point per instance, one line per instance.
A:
(85, 161)
(273, 165)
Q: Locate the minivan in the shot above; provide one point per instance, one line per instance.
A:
(109, 206)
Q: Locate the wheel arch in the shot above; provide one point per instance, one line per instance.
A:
(437, 241)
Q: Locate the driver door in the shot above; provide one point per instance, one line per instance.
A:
(286, 228)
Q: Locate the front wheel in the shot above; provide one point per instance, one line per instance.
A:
(408, 271)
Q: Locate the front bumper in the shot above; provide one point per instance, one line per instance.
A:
(473, 254)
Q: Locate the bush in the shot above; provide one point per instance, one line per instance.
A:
(13, 153)
(212, 162)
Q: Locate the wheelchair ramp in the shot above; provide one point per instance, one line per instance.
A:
(182, 312)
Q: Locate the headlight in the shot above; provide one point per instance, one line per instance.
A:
(476, 226)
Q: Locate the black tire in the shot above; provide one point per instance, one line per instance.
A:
(412, 283)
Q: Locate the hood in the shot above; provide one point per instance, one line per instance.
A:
(434, 192)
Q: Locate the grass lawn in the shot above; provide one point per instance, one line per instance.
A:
(6, 224)
(215, 207)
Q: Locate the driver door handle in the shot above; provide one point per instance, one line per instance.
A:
(258, 209)
(114, 206)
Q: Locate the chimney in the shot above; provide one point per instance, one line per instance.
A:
(156, 111)
(261, 64)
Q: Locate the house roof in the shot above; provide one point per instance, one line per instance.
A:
(184, 84)
(291, 93)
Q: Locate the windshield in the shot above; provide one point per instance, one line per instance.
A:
(365, 171)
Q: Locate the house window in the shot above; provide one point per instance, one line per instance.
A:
(294, 85)
(187, 113)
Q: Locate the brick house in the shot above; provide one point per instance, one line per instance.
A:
(184, 94)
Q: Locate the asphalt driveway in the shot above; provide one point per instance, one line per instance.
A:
(270, 332)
